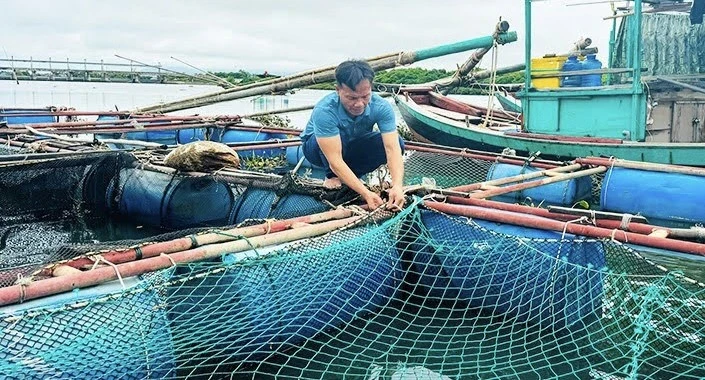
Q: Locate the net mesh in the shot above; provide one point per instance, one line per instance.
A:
(421, 295)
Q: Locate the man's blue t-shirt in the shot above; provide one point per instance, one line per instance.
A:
(330, 119)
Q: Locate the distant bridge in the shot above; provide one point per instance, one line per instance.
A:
(85, 71)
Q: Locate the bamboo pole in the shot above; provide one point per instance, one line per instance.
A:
(220, 80)
(634, 223)
(46, 287)
(528, 185)
(323, 75)
(480, 155)
(136, 119)
(194, 241)
(516, 178)
(90, 141)
(665, 168)
(532, 221)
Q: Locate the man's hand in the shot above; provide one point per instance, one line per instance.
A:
(396, 198)
(373, 200)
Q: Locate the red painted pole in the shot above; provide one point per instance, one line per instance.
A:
(42, 288)
(532, 221)
(639, 228)
(485, 156)
(182, 244)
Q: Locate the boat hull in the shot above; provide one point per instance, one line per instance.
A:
(444, 131)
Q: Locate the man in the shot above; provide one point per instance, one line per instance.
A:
(339, 136)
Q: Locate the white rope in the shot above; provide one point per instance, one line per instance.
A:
(117, 271)
(626, 219)
(493, 85)
(173, 263)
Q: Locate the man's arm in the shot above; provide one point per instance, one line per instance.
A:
(332, 148)
(394, 159)
(396, 168)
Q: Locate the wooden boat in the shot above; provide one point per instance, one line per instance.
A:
(508, 102)
(650, 119)
(439, 119)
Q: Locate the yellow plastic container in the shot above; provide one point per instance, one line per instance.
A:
(551, 65)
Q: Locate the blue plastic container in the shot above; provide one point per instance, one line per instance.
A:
(572, 64)
(235, 136)
(258, 203)
(185, 136)
(26, 119)
(127, 338)
(162, 200)
(294, 154)
(670, 198)
(563, 193)
(517, 272)
(278, 302)
(159, 137)
(592, 80)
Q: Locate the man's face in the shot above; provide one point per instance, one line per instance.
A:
(355, 100)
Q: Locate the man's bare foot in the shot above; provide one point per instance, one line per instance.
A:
(332, 183)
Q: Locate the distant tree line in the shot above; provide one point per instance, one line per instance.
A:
(412, 75)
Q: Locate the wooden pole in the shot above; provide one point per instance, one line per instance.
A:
(42, 288)
(194, 241)
(531, 221)
(324, 75)
(527, 185)
(641, 165)
(522, 177)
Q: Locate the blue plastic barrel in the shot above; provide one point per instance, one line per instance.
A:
(256, 203)
(591, 80)
(296, 153)
(159, 137)
(670, 198)
(564, 193)
(518, 272)
(234, 136)
(185, 136)
(26, 119)
(162, 200)
(295, 205)
(127, 337)
(267, 305)
(572, 64)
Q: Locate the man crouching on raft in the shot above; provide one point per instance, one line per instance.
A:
(339, 136)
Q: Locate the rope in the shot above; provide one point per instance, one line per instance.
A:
(173, 263)
(565, 226)
(269, 225)
(23, 282)
(117, 271)
(614, 232)
(493, 85)
(626, 219)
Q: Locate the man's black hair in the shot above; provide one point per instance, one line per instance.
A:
(351, 73)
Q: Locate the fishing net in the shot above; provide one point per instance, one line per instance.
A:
(416, 295)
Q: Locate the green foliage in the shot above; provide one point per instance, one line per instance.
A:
(274, 121)
(240, 77)
(412, 75)
(407, 75)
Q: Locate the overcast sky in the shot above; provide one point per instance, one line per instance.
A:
(283, 36)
